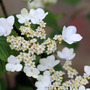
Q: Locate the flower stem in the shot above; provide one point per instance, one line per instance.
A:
(3, 8)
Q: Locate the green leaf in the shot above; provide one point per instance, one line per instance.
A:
(74, 45)
(2, 84)
(58, 67)
(2, 67)
(14, 33)
(17, 24)
(37, 59)
(5, 50)
(72, 2)
(50, 19)
(88, 16)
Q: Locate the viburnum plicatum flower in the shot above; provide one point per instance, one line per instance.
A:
(35, 4)
(50, 1)
(69, 34)
(31, 71)
(13, 64)
(6, 25)
(47, 63)
(83, 88)
(66, 53)
(43, 81)
(87, 69)
(24, 16)
(36, 16)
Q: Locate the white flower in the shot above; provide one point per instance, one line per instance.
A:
(47, 63)
(30, 71)
(83, 88)
(69, 34)
(37, 15)
(50, 1)
(66, 53)
(87, 69)
(35, 4)
(6, 25)
(43, 81)
(13, 64)
(24, 16)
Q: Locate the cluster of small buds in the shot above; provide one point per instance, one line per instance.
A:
(51, 46)
(27, 59)
(39, 49)
(30, 33)
(18, 43)
(56, 78)
(58, 38)
(70, 71)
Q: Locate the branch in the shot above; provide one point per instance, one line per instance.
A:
(3, 8)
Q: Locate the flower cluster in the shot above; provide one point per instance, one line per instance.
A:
(39, 3)
(34, 43)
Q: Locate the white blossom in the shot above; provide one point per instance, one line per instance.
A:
(66, 53)
(83, 88)
(69, 34)
(13, 64)
(50, 1)
(87, 69)
(47, 63)
(24, 16)
(6, 25)
(35, 4)
(43, 81)
(37, 15)
(30, 71)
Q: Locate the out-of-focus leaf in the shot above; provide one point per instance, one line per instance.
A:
(2, 84)
(88, 16)
(72, 2)
(60, 15)
(58, 67)
(16, 24)
(56, 32)
(5, 50)
(37, 59)
(14, 33)
(50, 19)
(2, 67)
(74, 45)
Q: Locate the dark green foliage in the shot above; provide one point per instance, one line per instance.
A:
(2, 67)
(88, 16)
(72, 2)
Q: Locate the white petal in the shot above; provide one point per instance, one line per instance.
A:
(42, 67)
(88, 89)
(55, 63)
(18, 67)
(35, 73)
(11, 20)
(60, 54)
(75, 37)
(67, 32)
(9, 67)
(87, 69)
(24, 12)
(46, 73)
(81, 88)
(12, 59)
(52, 57)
